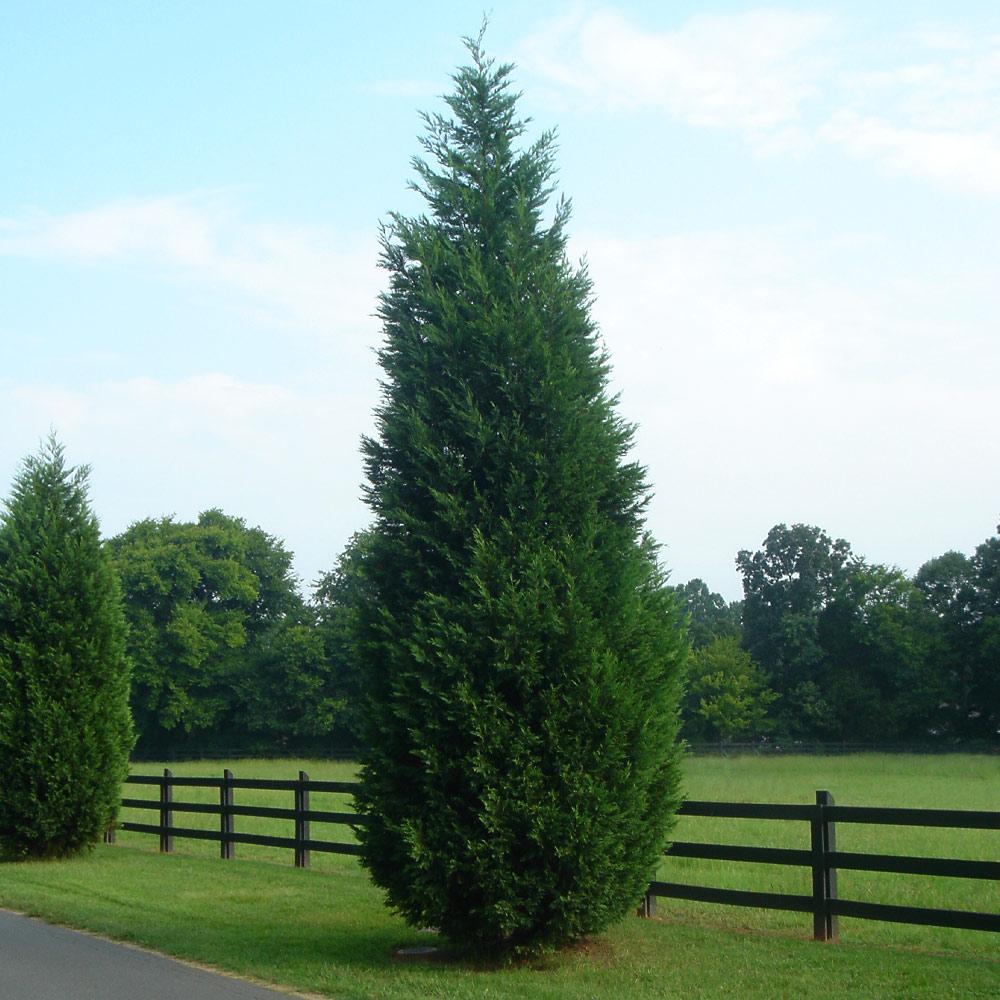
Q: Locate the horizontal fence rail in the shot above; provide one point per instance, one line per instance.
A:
(824, 860)
(821, 857)
(301, 814)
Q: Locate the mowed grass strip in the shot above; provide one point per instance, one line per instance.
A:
(327, 932)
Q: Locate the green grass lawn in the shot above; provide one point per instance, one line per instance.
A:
(917, 781)
(325, 930)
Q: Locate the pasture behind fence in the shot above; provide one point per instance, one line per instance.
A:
(824, 860)
(821, 858)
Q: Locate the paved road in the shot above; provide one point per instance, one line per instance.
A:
(40, 962)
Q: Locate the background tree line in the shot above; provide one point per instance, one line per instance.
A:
(828, 646)
(227, 654)
(824, 646)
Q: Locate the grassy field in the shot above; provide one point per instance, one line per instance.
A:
(325, 930)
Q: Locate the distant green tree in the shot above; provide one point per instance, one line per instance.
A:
(808, 713)
(709, 615)
(521, 655)
(787, 585)
(845, 641)
(335, 602)
(65, 728)
(727, 695)
(207, 603)
(304, 688)
(949, 593)
(962, 597)
(949, 588)
(876, 673)
(984, 713)
(287, 693)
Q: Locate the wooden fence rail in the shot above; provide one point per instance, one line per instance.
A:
(227, 810)
(822, 857)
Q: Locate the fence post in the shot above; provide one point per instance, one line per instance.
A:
(226, 818)
(166, 815)
(824, 877)
(301, 821)
(647, 908)
(829, 872)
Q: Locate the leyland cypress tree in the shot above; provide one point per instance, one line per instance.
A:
(65, 727)
(520, 651)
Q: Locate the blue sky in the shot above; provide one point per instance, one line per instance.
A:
(790, 213)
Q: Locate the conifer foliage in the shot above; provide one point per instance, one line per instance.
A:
(519, 648)
(65, 727)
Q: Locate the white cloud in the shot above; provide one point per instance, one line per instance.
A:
(925, 103)
(934, 116)
(751, 71)
(291, 275)
(172, 229)
(767, 390)
(964, 161)
(768, 308)
(944, 37)
(282, 453)
(284, 457)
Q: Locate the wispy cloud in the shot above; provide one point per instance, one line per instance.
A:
(765, 380)
(226, 413)
(934, 115)
(752, 365)
(926, 104)
(772, 307)
(751, 71)
(308, 277)
(165, 445)
(960, 160)
(161, 446)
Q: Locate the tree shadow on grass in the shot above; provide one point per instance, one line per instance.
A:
(378, 947)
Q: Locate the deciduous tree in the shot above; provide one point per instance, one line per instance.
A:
(876, 673)
(207, 603)
(984, 716)
(709, 615)
(335, 602)
(727, 696)
(787, 585)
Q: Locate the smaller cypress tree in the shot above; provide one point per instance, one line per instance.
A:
(65, 727)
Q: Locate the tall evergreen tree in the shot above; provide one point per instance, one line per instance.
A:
(65, 727)
(520, 651)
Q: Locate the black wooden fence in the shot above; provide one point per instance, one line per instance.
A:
(227, 810)
(824, 860)
(822, 857)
